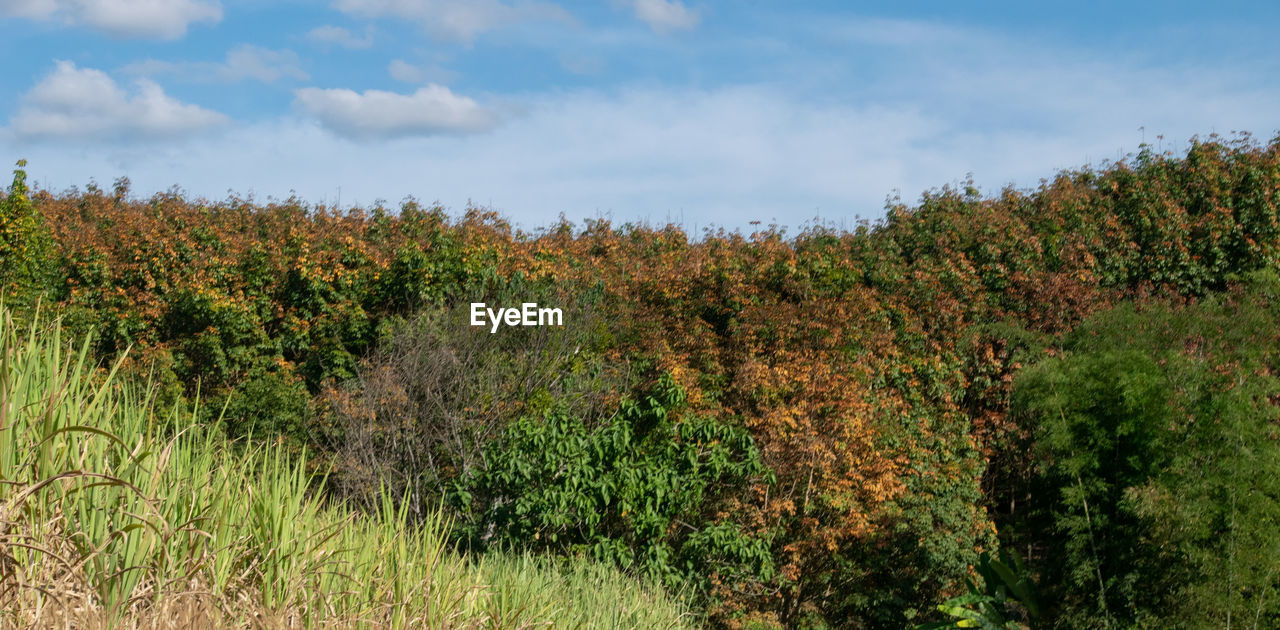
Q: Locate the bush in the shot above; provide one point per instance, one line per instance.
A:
(645, 490)
(436, 391)
(267, 404)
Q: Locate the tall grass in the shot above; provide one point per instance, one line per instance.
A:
(106, 521)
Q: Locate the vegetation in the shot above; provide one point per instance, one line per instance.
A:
(831, 429)
(1006, 599)
(1159, 473)
(109, 522)
(26, 259)
(640, 490)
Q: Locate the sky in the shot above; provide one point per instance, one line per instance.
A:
(701, 113)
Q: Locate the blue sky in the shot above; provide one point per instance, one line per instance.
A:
(699, 112)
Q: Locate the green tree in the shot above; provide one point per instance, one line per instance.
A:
(26, 259)
(1159, 464)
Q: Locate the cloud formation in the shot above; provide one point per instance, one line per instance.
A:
(457, 20)
(86, 104)
(406, 72)
(339, 36)
(402, 70)
(833, 143)
(150, 19)
(664, 16)
(376, 114)
(245, 61)
(726, 155)
(31, 9)
(584, 65)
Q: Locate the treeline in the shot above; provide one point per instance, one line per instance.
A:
(826, 429)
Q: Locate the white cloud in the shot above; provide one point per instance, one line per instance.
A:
(341, 37)
(406, 72)
(32, 9)
(664, 16)
(583, 64)
(431, 110)
(267, 66)
(86, 104)
(242, 62)
(153, 19)
(402, 70)
(1005, 111)
(725, 156)
(459, 20)
(902, 33)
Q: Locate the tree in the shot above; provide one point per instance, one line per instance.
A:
(1159, 464)
(26, 262)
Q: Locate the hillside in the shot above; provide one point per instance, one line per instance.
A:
(825, 429)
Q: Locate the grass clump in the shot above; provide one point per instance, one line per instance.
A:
(108, 520)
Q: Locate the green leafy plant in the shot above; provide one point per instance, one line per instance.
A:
(1005, 600)
(643, 490)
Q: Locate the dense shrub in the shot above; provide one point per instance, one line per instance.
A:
(1158, 440)
(644, 489)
